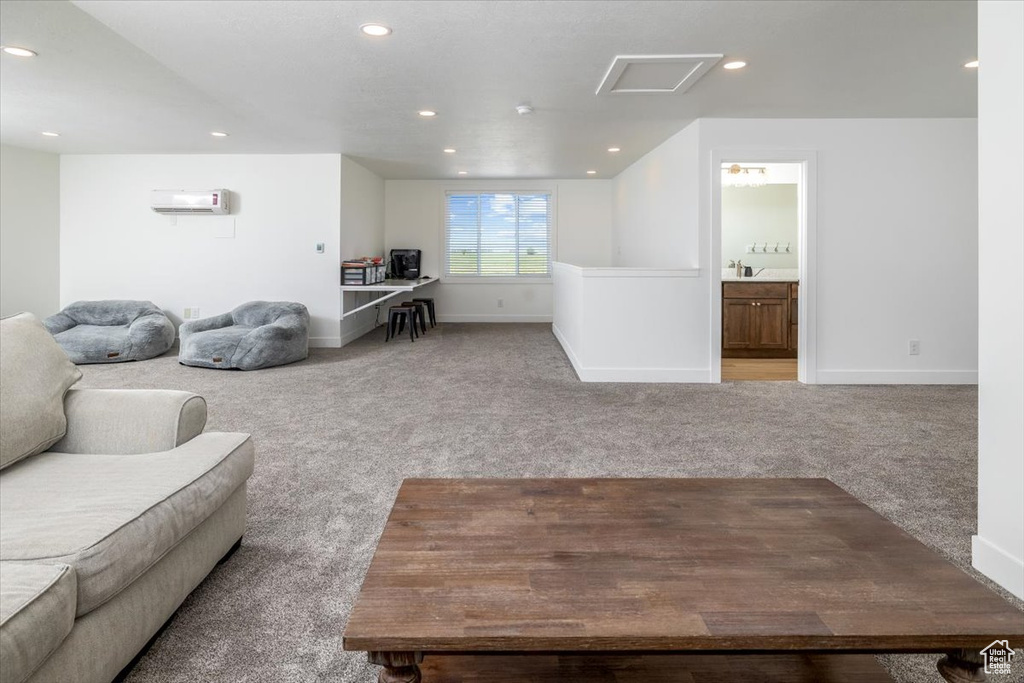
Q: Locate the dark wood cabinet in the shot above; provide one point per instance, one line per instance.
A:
(794, 317)
(758, 320)
(737, 323)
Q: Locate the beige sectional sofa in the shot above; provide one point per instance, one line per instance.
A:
(114, 505)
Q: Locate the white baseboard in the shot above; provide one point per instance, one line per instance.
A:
(352, 335)
(324, 342)
(573, 360)
(489, 318)
(897, 377)
(638, 375)
(647, 375)
(998, 565)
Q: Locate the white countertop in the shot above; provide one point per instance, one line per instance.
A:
(619, 271)
(390, 285)
(766, 275)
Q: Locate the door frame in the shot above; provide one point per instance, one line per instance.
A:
(807, 197)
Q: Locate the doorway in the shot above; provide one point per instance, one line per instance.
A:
(761, 227)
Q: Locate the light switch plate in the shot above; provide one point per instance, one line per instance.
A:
(319, 247)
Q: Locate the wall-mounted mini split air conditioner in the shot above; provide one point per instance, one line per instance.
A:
(209, 202)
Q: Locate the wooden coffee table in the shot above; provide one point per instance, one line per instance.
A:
(773, 580)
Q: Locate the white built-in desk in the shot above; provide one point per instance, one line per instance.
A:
(388, 288)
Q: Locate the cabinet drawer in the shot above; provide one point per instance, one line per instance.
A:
(755, 290)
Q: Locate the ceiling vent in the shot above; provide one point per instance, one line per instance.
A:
(655, 73)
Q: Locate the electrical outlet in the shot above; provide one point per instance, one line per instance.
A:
(191, 312)
(501, 303)
(914, 347)
(319, 247)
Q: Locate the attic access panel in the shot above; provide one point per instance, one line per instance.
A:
(655, 73)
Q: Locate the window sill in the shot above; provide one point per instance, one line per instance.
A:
(484, 280)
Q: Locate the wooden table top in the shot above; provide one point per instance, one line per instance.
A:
(476, 565)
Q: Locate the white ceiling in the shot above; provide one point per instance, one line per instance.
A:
(156, 76)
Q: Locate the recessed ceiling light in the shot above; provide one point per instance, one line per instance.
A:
(18, 51)
(973, 64)
(734, 65)
(614, 149)
(463, 172)
(427, 113)
(375, 30)
(51, 134)
(219, 134)
(591, 172)
(449, 150)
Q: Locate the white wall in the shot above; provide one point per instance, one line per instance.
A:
(999, 545)
(362, 234)
(29, 231)
(897, 240)
(896, 236)
(414, 219)
(637, 342)
(769, 213)
(113, 246)
(656, 206)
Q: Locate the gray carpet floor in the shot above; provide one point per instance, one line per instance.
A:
(336, 434)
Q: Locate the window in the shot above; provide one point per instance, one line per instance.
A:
(498, 234)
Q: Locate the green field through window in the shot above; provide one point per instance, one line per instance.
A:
(502, 234)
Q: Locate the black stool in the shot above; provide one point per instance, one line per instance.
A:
(396, 318)
(429, 303)
(415, 314)
(421, 312)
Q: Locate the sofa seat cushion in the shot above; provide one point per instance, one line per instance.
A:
(112, 517)
(95, 343)
(37, 611)
(213, 348)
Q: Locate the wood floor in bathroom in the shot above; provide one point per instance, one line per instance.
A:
(759, 369)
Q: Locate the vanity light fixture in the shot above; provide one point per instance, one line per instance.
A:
(448, 150)
(732, 66)
(19, 51)
(375, 30)
(744, 176)
(51, 134)
(973, 64)
(219, 134)
(614, 149)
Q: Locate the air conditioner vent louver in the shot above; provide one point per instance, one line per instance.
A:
(163, 209)
(208, 202)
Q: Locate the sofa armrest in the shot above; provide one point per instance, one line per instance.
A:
(58, 322)
(204, 324)
(150, 335)
(122, 422)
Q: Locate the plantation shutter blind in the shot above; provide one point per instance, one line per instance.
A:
(498, 234)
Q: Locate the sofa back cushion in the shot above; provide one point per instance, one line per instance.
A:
(35, 373)
(259, 313)
(109, 313)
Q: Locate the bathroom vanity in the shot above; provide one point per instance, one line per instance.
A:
(759, 318)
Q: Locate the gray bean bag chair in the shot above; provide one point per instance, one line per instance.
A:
(111, 331)
(259, 334)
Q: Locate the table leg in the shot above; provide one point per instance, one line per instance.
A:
(399, 667)
(962, 666)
